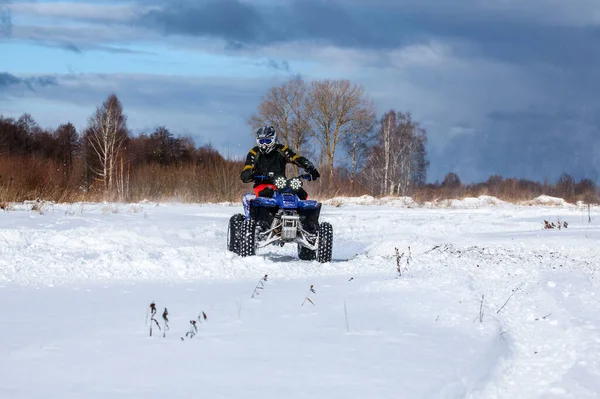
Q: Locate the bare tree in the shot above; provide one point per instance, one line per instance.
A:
(337, 108)
(451, 180)
(30, 129)
(67, 143)
(284, 107)
(105, 134)
(565, 186)
(421, 164)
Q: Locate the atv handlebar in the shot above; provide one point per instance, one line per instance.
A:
(271, 175)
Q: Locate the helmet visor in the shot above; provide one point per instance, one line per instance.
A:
(265, 140)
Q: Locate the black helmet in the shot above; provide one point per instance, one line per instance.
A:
(266, 138)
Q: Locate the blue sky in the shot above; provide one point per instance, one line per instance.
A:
(502, 87)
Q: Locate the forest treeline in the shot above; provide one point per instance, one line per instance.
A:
(333, 122)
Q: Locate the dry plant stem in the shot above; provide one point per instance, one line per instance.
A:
(311, 289)
(346, 315)
(193, 329)
(259, 286)
(398, 265)
(166, 322)
(202, 316)
(514, 292)
(152, 319)
(481, 310)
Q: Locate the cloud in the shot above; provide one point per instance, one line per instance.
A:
(58, 10)
(208, 108)
(508, 32)
(8, 80)
(533, 31)
(79, 49)
(534, 144)
(279, 66)
(5, 21)
(91, 34)
(70, 47)
(230, 20)
(240, 23)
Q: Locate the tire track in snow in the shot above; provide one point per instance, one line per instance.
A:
(538, 321)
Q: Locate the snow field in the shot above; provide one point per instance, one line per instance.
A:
(79, 279)
(94, 343)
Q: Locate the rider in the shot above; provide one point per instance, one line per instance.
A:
(270, 156)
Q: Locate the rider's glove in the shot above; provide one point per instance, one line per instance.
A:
(248, 176)
(314, 173)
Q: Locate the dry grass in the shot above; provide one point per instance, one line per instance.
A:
(28, 178)
(187, 183)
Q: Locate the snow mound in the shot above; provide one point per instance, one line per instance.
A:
(548, 200)
(408, 202)
(468, 202)
(403, 202)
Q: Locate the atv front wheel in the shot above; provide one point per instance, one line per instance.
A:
(306, 254)
(325, 240)
(248, 238)
(233, 233)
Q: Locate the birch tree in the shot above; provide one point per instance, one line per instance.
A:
(398, 158)
(357, 144)
(388, 126)
(105, 136)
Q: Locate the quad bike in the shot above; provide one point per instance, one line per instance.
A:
(245, 235)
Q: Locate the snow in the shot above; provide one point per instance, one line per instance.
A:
(464, 203)
(548, 200)
(489, 304)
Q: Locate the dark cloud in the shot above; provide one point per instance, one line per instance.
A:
(231, 20)
(532, 144)
(234, 45)
(5, 21)
(279, 66)
(242, 24)
(70, 47)
(79, 49)
(389, 25)
(7, 80)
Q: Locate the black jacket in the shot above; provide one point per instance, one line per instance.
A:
(275, 161)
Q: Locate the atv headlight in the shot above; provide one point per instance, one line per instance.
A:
(296, 184)
(280, 182)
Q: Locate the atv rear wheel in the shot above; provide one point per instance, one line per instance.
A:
(233, 233)
(248, 238)
(325, 240)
